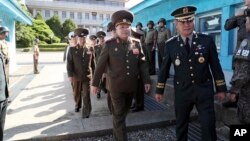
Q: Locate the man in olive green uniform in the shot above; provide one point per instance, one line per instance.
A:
(80, 66)
(196, 66)
(163, 36)
(150, 43)
(4, 93)
(36, 53)
(124, 61)
(4, 32)
(241, 78)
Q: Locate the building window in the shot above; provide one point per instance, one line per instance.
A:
(47, 13)
(87, 16)
(94, 15)
(108, 17)
(55, 12)
(94, 29)
(72, 16)
(211, 25)
(101, 17)
(64, 14)
(79, 15)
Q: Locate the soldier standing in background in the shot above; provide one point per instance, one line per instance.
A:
(80, 67)
(241, 78)
(150, 43)
(4, 32)
(36, 52)
(97, 49)
(124, 60)
(163, 36)
(197, 67)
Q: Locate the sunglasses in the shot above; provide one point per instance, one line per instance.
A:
(186, 21)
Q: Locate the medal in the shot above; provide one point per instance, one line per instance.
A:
(116, 49)
(201, 59)
(177, 61)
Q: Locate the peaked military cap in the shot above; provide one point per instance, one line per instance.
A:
(92, 37)
(162, 20)
(184, 13)
(136, 34)
(3, 29)
(81, 32)
(151, 22)
(122, 17)
(100, 34)
(139, 24)
(110, 27)
(71, 35)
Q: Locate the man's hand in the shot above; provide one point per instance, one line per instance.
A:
(94, 90)
(147, 87)
(158, 97)
(221, 96)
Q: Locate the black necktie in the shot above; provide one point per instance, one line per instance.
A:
(187, 46)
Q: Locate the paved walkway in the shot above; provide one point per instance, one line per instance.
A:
(42, 106)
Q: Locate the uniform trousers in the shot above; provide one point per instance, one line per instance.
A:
(161, 47)
(3, 108)
(204, 103)
(35, 64)
(121, 105)
(150, 56)
(81, 91)
(139, 96)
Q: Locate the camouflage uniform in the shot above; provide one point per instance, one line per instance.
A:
(241, 80)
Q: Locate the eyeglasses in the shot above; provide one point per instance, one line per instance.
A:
(186, 21)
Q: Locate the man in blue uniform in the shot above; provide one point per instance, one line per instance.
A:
(196, 66)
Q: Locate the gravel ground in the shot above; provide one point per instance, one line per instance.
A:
(157, 134)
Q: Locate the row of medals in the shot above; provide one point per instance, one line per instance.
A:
(201, 59)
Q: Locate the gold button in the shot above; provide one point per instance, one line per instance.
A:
(192, 81)
(192, 74)
(127, 67)
(127, 61)
(127, 73)
(189, 60)
(177, 83)
(191, 67)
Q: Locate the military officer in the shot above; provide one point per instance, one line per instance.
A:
(97, 49)
(72, 43)
(93, 41)
(36, 53)
(4, 32)
(80, 66)
(125, 61)
(193, 56)
(111, 29)
(241, 78)
(150, 43)
(163, 36)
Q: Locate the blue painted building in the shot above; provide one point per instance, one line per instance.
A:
(210, 18)
(10, 12)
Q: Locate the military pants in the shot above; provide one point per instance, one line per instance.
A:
(161, 47)
(243, 105)
(3, 108)
(205, 107)
(35, 65)
(139, 96)
(151, 58)
(121, 105)
(81, 91)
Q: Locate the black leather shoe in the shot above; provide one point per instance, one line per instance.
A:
(77, 109)
(98, 95)
(137, 109)
(229, 104)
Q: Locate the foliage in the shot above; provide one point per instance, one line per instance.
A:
(67, 27)
(24, 35)
(55, 25)
(57, 45)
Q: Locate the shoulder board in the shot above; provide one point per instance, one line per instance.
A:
(171, 39)
(110, 40)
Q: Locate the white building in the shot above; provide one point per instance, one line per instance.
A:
(89, 14)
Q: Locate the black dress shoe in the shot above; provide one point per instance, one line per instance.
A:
(137, 109)
(77, 109)
(98, 95)
(229, 104)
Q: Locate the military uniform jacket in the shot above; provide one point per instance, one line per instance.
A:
(125, 62)
(80, 63)
(163, 35)
(192, 71)
(151, 35)
(241, 74)
(4, 93)
(97, 50)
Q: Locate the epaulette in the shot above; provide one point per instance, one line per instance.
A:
(171, 39)
(110, 40)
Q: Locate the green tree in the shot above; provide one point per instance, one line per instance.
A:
(39, 16)
(68, 26)
(24, 35)
(55, 25)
